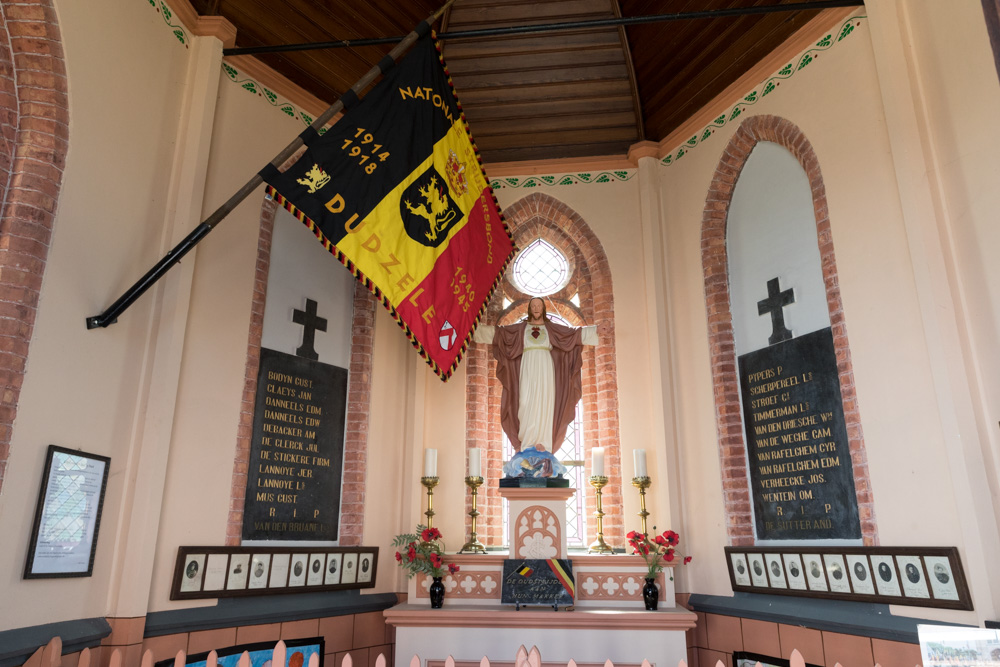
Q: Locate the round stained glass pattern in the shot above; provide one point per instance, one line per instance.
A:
(540, 269)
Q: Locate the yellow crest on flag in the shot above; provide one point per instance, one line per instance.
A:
(314, 179)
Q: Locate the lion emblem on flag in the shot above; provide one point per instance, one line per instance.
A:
(429, 220)
(314, 179)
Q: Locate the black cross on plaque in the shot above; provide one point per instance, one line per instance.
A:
(774, 303)
(311, 323)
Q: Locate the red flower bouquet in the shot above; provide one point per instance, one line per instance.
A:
(421, 552)
(658, 551)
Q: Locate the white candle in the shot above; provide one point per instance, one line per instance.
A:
(640, 462)
(475, 462)
(597, 469)
(430, 463)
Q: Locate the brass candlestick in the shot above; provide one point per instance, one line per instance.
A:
(599, 546)
(642, 483)
(473, 545)
(430, 483)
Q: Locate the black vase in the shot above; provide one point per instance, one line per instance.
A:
(437, 593)
(651, 594)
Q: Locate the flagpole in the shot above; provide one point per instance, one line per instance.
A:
(110, 315)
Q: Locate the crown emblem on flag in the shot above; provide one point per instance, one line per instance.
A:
(456, 173)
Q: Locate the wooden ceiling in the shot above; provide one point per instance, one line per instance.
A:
(538, 96)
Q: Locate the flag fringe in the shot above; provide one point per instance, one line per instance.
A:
(496, 203)
(444, 374)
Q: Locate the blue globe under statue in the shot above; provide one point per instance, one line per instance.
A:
(533, 467)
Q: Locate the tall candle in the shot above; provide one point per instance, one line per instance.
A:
(475, 462)
(430, 463)
(597, 469)
(640, 462)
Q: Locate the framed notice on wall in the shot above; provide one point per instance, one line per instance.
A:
(68, 515)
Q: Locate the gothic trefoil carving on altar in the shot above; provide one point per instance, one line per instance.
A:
(539, 533)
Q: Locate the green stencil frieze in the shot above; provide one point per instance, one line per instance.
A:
(246, 83)
(256, 88)
(168, 16)
(765, 88)
(616, 176)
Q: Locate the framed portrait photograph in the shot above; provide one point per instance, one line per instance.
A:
(796, 573)
(239, 571)
(260, 565)
(316, 564)
(193, 572)
(366, 567)
(886, 580)
(740, 569)
(815, 572)
(775, 570)
(861, 574)
(350, 574)
(836, 573)
(758, 570)
(911, 570)
(68, 514)
(297, 574)
(334, 566)
(942, 578)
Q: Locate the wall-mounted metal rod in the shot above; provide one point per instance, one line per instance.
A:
(554, 27)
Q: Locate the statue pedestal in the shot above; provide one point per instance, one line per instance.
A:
(537, 521)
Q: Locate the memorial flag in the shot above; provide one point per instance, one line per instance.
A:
(564, 576)
(396, 192)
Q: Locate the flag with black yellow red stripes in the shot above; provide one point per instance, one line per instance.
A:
(396, 192)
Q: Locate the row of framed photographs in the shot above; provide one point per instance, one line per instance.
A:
(919, 576)
(215, 572)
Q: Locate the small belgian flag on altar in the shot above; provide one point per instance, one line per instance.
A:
(396, 192)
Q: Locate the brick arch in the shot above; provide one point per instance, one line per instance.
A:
(352, 505)
(34, 135)
(545, 216)
(736, 487)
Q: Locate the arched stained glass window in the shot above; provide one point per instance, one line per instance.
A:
(540, 269)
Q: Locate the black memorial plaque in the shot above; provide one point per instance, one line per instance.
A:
(537, 581)
(801, 474)
(296, 450)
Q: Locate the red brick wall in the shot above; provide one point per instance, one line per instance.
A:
(542, 216)
(358, 406)
(34, 134)
(739, 519)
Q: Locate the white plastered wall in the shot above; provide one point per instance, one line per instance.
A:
(248, 133)
(85, 389)
(837, 103)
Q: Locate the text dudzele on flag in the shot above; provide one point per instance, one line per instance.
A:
(396, 192)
